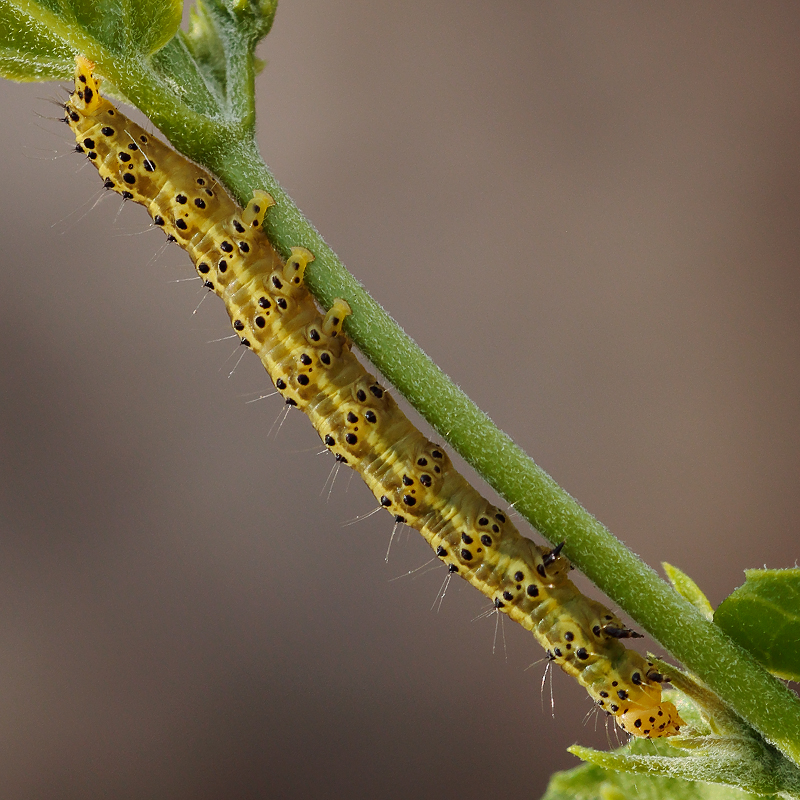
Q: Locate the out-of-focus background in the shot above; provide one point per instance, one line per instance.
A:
(586, 213)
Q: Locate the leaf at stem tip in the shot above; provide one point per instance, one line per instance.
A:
(763, 616)
(703, 767)
(688, 589)
(613, 779)
(39, 40)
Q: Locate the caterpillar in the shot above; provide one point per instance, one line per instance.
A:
(309, 359)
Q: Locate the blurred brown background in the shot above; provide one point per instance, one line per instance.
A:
(586, 213)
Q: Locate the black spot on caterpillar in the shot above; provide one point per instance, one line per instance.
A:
(309, 359)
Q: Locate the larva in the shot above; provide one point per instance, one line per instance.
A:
(309, 359)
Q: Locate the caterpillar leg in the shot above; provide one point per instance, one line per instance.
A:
(332, 324)
(296, 265)
(257, 208)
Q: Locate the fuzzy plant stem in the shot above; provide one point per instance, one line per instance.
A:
(231, 154)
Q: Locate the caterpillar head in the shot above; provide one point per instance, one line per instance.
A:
(86, 97)
(85, 107)
(651, 722)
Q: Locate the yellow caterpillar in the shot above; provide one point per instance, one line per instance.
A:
(309, 359)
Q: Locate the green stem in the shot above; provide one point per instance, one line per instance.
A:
(672, 621)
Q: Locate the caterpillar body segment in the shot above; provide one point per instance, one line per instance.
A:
(309, 359)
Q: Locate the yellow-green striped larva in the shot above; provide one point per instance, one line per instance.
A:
(309, 359)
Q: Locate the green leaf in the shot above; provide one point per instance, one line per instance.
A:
(255, 17)
(717, 769)
(30, 49)
(205, 42)
(39, 40)
(590, 782)
(197, 87)
(214, 25)
(687, 588)
(763, 616)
